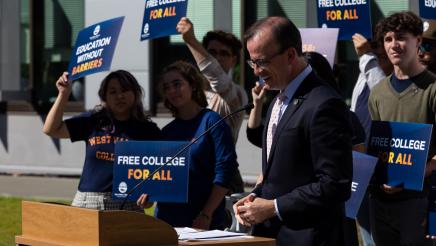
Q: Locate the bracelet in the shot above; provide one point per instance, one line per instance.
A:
(201, 214)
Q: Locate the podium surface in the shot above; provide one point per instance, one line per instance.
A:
(45, 224)
(258, 241)
(54, 224)
(255, 241)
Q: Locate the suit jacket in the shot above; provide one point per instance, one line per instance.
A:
(309, 170)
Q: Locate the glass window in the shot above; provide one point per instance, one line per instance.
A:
(262, 8)
(388, 7)
(236, 18)
(201, 14)
(56, 24)
(236, 30)
(25, 45)
(63, 21)
(254, 10)
(295, 10)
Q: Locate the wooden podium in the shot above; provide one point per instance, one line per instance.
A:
(46, 224)
(55, 225)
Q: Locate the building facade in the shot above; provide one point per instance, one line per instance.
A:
(36, 39)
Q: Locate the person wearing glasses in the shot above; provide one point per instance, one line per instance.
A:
(216, 58)
(306, 151)
(427, 52)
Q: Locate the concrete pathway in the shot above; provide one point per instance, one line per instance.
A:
(38, 187)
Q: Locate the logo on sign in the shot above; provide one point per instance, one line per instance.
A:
(122, 187)
(96, 32)
(426, 25)
(146, 28)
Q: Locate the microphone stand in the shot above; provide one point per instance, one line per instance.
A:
(246, 107)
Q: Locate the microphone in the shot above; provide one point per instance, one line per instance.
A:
(246, 107)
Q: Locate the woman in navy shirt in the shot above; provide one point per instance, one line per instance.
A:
(119, 117)
(212, 157)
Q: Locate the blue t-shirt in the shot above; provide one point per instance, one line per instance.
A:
(212, 161)
(100, 138)
(400, 84)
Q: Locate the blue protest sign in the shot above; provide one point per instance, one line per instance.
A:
(427, 9)
(161, 17)
(402, 149)
(349, 16)
(363, 168)
(314, 39)
(138, 160)
(94, 48)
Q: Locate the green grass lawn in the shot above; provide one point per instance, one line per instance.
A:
(10, 219)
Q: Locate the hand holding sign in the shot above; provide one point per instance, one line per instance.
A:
(186, 28)
(361, 44)
(391, 189)
(142, 201)
(63, 85)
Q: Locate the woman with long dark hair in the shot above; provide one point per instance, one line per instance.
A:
(119, 117)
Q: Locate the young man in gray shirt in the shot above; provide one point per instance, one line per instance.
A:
(407, 95)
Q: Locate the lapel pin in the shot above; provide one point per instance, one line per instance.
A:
(296, 101)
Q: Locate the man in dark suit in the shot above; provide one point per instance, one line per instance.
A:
(306, 154)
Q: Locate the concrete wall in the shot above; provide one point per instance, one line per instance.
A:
(26, 149)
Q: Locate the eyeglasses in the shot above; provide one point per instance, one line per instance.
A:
(263, 63)
(221, 53)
